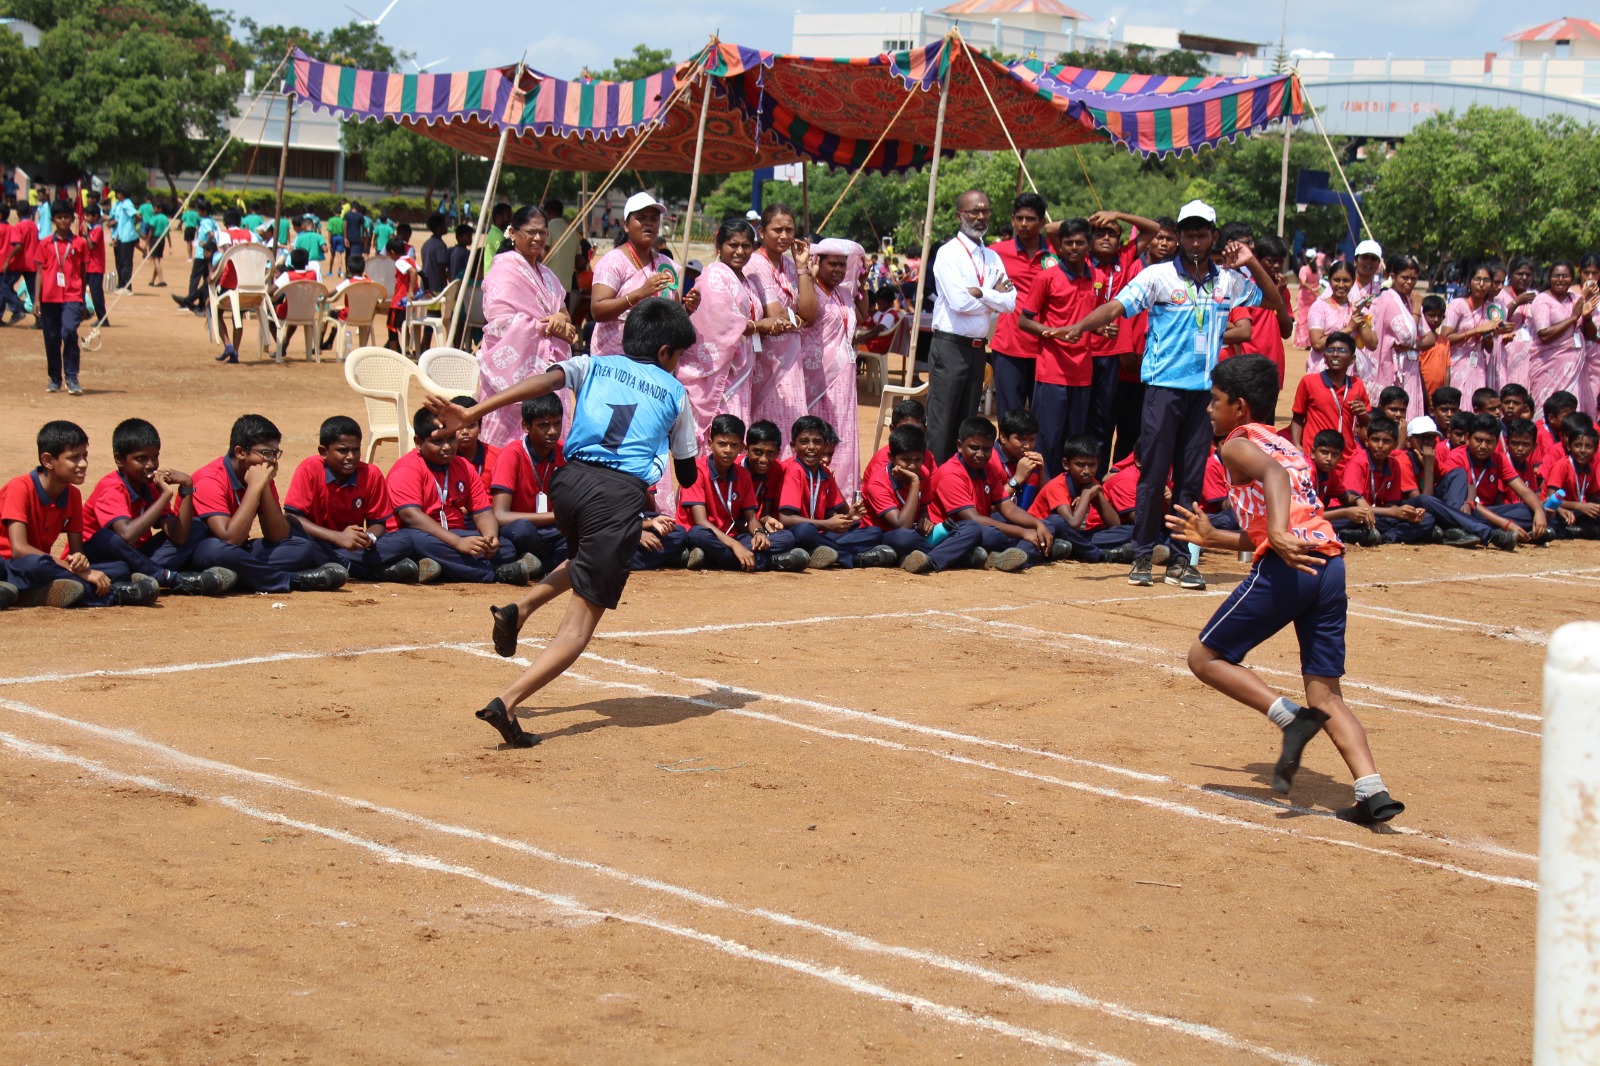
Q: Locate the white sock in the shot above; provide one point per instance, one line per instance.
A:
(1370, 785)
(1281, 713)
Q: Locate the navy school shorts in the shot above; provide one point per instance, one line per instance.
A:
(1274, 596)
(597, 510)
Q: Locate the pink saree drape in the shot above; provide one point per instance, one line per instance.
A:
(1469, 359)
(716, 371)
(1306, 295)
(1395, 359)
(620, 272)
(828, 351)
(1510, 362)
(1556, 364)
(777, 382)
(517, 298)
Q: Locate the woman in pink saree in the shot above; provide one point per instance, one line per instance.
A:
(526, 327)
(631, 273)
(831, 304)
(1334, 313)
(730, 322)
(778, 381)
(1310, 288)
(1471, 328)
(1400, 337)
(1588, 393)
(1555, 319)
(1510, 362)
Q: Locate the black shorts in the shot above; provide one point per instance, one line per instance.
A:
(158, 249)
(188, 233)
(597, 510)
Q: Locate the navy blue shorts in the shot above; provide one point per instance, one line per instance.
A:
(1274, 595)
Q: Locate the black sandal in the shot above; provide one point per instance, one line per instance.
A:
(507, 726)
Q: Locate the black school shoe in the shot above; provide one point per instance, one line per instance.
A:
(1458, 538)
(1122, 555)
(324, 578)
(505, 630)
(1142, 573)
(1308, 722)
(140, 591)
(1504, 539)
(401, 572)
(881, 555)
(213, 581)
(62, 592)
(917, 562)
(1060, 550)
(520, 572)
(1374, 810)
(790, 562)
(507, 726)
(8, 594)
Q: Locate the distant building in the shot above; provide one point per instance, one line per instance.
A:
(26, 30)
(1043, 28)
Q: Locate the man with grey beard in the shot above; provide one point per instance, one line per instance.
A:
(970, 288)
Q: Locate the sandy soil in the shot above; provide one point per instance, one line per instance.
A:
(860, 817)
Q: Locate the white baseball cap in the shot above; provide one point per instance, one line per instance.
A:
(1421, 424)
(1369, 248)
(694, 264)
(640, 201)
(753, 216)
(1197, 209)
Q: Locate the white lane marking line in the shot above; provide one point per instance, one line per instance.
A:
(1045, 992)
(1157, 656)
(1511, 575)
(831, 975)
(219, 664)
(1099, 790)
(1412, 618)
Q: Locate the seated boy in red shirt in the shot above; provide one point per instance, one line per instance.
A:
(1076, 508)
(444, 512)
(907, 413)
(1483, 496)
(968, 488)
(140, 518)
(1353, 522)
(35, 510)
(762, 443)
(1017, 457)
(480, 454)
(342, 503)
(812, 508)
(894, 491)
(1298, 578)
(1571, 470)
(231, 494)
(1519, 440)
(519, 483)
(1332, 399)
(1381, 480)
(723, 517)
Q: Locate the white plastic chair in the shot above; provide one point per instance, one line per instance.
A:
(382, 378)
(365, 302)
(893, 394)
(252, 263)
(448, 372)
(380, 268)
(428, 316)
(303, 308)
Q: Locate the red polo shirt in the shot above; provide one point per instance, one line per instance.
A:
(1023, 269)
(449, 495)
(1325, 407)
(333, 504)
(96, 263)
(1060, 299)
(727, 499)
(217, 489)
(113, 499)
(956, 486)
(1110, 279)
(769, 488)
(1487, 483)
(809, 494)
(1561, 471)
(517, 471)
(61, 264)
(882, 492)
(23, 500)
(1384, 486)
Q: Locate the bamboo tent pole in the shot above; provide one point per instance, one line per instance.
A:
(474, 257)
(699, 149)
(927, 219)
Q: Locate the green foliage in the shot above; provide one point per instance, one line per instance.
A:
(1137, 59)
(136, 81)
(1491, 181)
(641, 63)
(351, 45)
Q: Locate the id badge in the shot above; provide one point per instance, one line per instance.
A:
(541, 503)
(61, 279)
(1202, 345)
(1577, 339)
(1474, 362)
(755, 342)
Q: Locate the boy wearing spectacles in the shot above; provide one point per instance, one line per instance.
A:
(1331, 399)
(234, 492)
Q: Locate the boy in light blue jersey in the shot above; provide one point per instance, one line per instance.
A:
(629, 414)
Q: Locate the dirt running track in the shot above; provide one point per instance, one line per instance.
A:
(837, 817)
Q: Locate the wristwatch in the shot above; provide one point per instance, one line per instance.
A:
(185, 491)
(1013, 484)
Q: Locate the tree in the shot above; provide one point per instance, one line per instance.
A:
(641, 63)
(351, 45)
(139, 81)
(1137, 59)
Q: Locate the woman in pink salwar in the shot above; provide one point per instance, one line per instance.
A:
(778, 382)
(1588, 393)
(830, 305)
(526, 327)
(1510, 362)
(1471, 329)
(1310, 288)
(1400, 337)
(1334, 313)
(1555, 358)
(730, 322)
(631, 273)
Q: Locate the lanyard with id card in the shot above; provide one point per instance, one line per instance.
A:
(541, 502)
(1202, 336)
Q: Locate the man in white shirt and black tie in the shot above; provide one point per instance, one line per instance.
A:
(970, 288)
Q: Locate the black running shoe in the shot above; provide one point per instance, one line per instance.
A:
(139, 591)
(1374, 810)
(324, 578)
(505, 630)
(1181, 572)
(402, 572)
(1141, 574)
(507, 726)
(212, 581)
(1504, 539)
(1307, 724)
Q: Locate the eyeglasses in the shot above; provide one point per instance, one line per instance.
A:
(268, 453)
(1336, 351)
(976, 212)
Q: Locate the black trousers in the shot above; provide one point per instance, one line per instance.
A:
(955, 388)
(1174, 438)
(124, 254)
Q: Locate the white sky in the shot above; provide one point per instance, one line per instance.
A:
(562, 38)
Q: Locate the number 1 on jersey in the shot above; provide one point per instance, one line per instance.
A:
(617, 430)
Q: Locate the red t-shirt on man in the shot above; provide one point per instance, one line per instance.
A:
(1059, 299)
(1023, 270)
